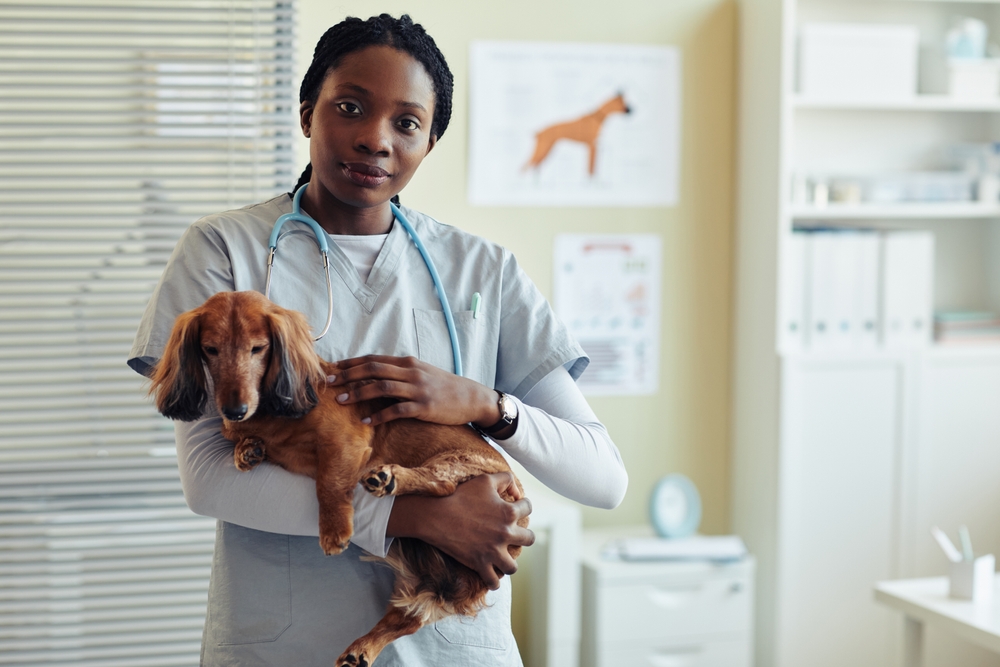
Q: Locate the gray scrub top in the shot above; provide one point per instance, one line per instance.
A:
(276, 599)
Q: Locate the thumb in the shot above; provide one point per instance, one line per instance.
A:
(505, 483)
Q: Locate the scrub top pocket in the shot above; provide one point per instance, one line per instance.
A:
(490, 629)
(434, 343)
(249, 614)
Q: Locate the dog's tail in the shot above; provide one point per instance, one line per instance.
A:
(430, 584)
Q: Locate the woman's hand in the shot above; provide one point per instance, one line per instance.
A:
(424, 391)
(474, 525)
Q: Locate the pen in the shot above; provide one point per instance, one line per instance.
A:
(949, 549)
(963, 534)
(476, 301)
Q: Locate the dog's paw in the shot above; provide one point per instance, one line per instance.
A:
(379, 481)
(351, 659)
(248, 454)
(334, 538)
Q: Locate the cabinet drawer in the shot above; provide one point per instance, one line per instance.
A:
(719, 605)
(711, 653)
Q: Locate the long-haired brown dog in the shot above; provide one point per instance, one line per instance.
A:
(270, 388)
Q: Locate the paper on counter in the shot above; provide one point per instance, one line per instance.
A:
(698, 547)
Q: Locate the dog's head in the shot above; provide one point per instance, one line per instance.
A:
(259, 357)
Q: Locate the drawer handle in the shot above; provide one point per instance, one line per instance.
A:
(674, 657)
(673, 598)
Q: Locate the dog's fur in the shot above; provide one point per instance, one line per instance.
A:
(584, 129)
(270, 387)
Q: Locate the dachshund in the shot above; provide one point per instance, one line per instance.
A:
(269, 386)
(584, 129)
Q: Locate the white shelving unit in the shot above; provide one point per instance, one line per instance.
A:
(842, 461)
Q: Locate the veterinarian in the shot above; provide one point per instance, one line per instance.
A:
(375, 101)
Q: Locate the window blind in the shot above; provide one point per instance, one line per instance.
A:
(121, 122)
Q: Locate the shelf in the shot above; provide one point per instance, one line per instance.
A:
(907, 211)
(918, 103)
(970, 351)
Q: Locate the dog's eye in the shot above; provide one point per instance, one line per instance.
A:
(256, 349)
(211, 351)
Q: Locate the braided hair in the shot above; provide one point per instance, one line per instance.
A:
(353, 34)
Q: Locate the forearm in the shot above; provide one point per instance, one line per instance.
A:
(561, 442)
(267, 498)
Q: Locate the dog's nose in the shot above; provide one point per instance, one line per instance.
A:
(235, 413)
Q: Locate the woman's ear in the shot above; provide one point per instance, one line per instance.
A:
(178, 381)
(293, 371)
(431, 143)
(305, 117)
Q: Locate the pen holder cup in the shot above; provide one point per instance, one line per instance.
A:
(972, 579)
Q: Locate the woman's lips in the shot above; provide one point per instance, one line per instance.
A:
(365, 175)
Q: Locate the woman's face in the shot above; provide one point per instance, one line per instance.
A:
(369, 128)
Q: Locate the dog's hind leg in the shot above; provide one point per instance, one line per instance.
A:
(395, 624)
(437, 477)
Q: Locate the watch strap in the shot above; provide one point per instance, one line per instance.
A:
(506, 419)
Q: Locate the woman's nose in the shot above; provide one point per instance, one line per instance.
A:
(373, 137)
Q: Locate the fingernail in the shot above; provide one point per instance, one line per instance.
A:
(331, 378)
(366, 420)
(342, 398)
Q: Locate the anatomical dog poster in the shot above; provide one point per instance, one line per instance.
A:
(607, 291)
(573, 124)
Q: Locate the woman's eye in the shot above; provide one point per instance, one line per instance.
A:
(349, 107)
(409, 124)
(211, 351)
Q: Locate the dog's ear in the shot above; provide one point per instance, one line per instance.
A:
(178, 380)
(294, 370)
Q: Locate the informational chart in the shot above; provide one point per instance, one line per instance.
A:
(607, 291)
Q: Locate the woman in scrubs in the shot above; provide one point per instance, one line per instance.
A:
(374, 103)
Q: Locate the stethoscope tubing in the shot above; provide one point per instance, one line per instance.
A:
(298, 215)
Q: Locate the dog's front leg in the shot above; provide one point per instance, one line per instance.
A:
(248, 453)
(335, 482)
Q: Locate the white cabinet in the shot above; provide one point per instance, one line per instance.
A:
(664, 614)
(842, 460)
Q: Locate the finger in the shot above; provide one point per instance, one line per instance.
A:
(503, 482)
(490, 576)
(376, 389)
(384, 359)
(393, 412)
(372, 370)
(521, 537)
(522, 508)
(507, 565)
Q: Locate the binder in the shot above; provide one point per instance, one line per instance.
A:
(833, 267)
(792, 317)
(868, 247)
(907, 289)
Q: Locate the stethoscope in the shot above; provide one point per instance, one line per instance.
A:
(324, 248)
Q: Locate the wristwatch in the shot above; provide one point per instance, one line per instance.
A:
(508, 414)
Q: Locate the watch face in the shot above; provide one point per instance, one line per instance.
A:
(508, 409)
(675, 507)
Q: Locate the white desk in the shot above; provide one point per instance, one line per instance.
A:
(926, 601)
